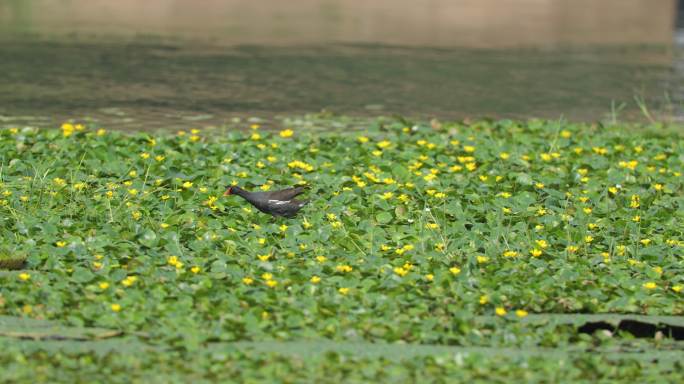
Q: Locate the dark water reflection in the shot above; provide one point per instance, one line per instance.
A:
(157, 75)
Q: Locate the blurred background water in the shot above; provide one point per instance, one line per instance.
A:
(177, 63)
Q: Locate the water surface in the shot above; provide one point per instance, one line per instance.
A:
(170, 64)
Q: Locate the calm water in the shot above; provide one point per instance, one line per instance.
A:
(170, 64)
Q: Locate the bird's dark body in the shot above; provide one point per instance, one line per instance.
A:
(276, 203)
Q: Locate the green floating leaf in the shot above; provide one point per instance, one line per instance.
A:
(148, 238)
(384, 217)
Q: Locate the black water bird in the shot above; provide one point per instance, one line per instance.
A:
(276, 203)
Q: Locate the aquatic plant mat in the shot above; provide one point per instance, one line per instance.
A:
(40, 338)
(541, 251)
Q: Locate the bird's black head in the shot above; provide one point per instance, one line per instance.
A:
(232, 189)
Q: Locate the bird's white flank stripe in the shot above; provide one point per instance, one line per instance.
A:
(278, 202)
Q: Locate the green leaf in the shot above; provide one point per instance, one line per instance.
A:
(383, 217)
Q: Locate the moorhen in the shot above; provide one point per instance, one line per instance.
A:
(276, 203)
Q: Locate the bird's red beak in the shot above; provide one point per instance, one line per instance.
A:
(228, 191)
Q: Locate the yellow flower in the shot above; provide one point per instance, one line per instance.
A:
(247, 280)
(400, 271)
(636, 218)
(362, 139)
(297, 164)
(677, 288)
(658, 187)
(187, 185)
(343, 268)
(101, 132)
(130, 280)
(484, 299)
(632, 164)
(431, 225)
(645, 241)
(429, 277)
(387, 195)
(115, 307)
(283, 228)
(500, 311)
(343, 291)
(650, 285)
(482, 259)
(587, 210)
(510, 253)
(504, 155)
(24, 276)
(539, 185)
(321, 259)
(469, 148)
(536, 252)
(67, 129)
(384, 144)
(286, 133)
(315, 280)
(543, 244)
(132, 191)
(61, 244)
(521, 313)
(588, 239)
(271, 283)
(599, 150)
(104, 285)
(455, 270)
(566, 134)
